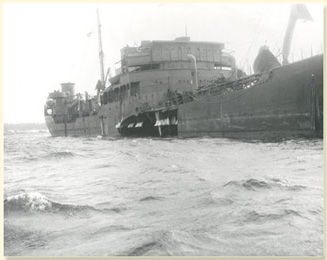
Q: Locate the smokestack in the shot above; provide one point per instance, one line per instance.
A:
(68, 87)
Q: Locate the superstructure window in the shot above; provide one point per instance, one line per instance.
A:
(180, 53)
(116, 94)
(135, 88)
(150, 67)
(105, 99)
(221, 67)
(111, 96)
(123, 92)
(144, 67)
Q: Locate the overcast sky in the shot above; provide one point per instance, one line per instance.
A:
(47, 44)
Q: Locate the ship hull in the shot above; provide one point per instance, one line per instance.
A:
(83, 126)
(288, 103)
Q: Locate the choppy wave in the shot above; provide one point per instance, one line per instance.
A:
(36, 202)
(161, 240)
(31, 131)
(254, 184)
(149, 198)
(27, 202)
(59, 155)
(174, 243)
(48, 156)
(144, 248)
(256, 217)
(82, 196)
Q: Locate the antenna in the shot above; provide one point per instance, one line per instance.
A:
(186, 30)
(101, 56)
(101, 83)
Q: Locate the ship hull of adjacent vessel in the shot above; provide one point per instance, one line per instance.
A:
(82, 126)
(286, 101)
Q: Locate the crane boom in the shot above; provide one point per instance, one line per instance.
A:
(298, 11)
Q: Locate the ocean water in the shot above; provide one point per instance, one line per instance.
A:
(161, 197)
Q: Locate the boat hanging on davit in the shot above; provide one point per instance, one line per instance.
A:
(188, 89)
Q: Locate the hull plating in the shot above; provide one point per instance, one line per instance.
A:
(289, 102)
(83, 126)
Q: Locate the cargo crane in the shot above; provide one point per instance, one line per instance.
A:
(298, 11)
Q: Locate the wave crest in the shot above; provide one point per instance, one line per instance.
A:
(27, 202)
(250, 184)
(36, 202)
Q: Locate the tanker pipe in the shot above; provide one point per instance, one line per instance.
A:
(190, 56)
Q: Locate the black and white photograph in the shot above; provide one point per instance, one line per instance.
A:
(163, 129)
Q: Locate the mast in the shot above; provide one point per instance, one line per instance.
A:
(101, 58)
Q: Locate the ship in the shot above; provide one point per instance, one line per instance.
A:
(190, 88)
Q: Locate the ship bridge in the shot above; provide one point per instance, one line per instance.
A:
(152, 55)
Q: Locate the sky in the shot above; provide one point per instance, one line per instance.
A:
(48, 44)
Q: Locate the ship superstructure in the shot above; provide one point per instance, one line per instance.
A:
(142, 98)
(70, 114)
(193, 88)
